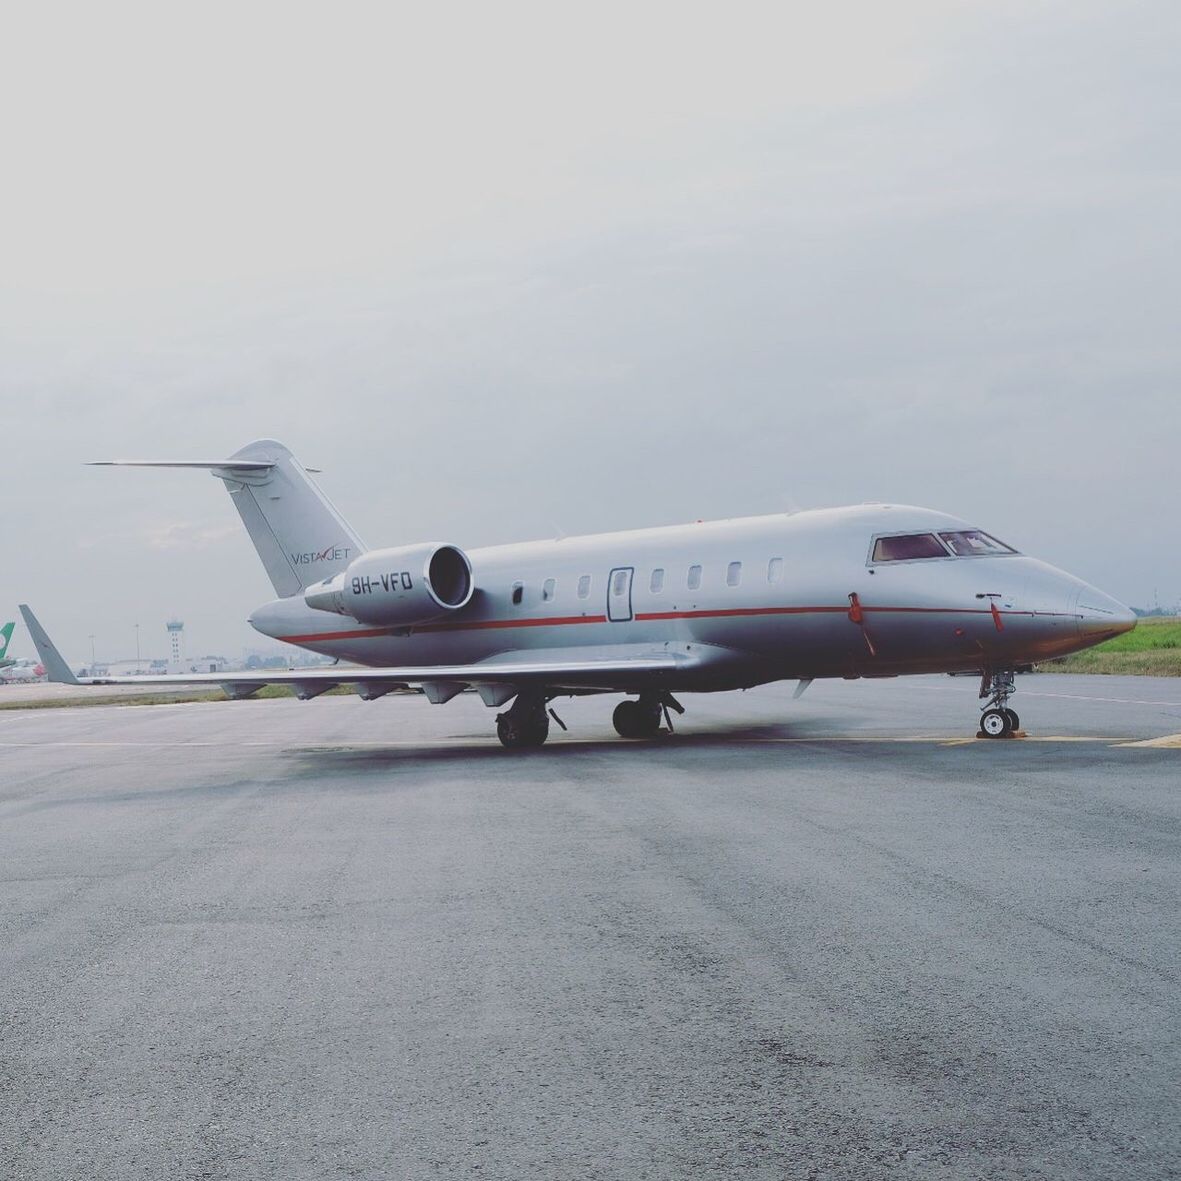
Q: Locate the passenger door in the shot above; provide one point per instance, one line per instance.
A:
(619, 594)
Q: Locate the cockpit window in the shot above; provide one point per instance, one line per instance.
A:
(908, 548)
(973, 543)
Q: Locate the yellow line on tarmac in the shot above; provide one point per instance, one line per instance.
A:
(1038, 738)
(1166, 742)
(944, 741)
(1069, 738)
(843, 738)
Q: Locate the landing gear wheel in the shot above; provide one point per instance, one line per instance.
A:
(998, 720)
(995, 723)
(525, 731)
(636, 719)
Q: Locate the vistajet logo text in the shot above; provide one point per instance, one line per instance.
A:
(334, 553)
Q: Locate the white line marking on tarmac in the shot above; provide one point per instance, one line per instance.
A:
(1064, 696)
(168, 745)
(1084, 697)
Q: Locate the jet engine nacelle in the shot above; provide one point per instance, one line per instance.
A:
(397, 587)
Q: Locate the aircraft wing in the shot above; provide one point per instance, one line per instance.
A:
(556, 669)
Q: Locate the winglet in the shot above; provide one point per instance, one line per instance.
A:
(55, 666)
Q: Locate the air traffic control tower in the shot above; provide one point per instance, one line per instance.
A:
(176, 635)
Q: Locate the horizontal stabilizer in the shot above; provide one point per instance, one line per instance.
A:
(241, 465)
(300, 538)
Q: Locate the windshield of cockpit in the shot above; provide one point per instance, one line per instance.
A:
(961, 543)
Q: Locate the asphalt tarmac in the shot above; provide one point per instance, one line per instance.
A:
(825, 938)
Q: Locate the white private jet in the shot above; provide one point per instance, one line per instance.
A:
(866, 591)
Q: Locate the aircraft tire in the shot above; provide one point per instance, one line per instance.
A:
(995, 723)
(633, 720)
(1014, 720)
(522, 733)
(625, 721)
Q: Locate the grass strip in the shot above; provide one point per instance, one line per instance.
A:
(1151, 649)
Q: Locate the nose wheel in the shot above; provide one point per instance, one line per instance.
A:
(998, 720)
(995, 723)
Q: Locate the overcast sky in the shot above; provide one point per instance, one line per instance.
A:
(504, 270)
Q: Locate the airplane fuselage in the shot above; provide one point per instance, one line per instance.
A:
(20, 672)
(756, 599)
(867, 591)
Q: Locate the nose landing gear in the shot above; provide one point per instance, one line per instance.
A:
(998, 720)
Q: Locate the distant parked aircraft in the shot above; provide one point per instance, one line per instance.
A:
(868, 591)
(15, 670)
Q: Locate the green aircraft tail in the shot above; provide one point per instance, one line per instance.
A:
(5, 636)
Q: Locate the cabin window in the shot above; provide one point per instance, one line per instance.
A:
(619, 584)
(547, 590)
(775, 570)
(518, 593)
(734, 574)
(656, 585)
(973, 543)
(909, 548)
(694, 582)
(584, 586)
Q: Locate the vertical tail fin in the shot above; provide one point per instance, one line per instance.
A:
(5, 636)
(298, 534)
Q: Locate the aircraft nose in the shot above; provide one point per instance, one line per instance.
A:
(1101, 617)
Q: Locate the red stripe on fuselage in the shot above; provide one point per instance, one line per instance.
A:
(736, 612)
(485, 624)
(474, 625)
(370, 633)
(650, 616)
(742, 611)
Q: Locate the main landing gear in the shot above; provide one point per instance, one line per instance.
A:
(641, 718)
(998, 720)
(525, 726)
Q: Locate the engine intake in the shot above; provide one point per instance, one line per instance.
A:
(398, 587)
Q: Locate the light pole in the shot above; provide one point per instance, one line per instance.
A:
(137, 643)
